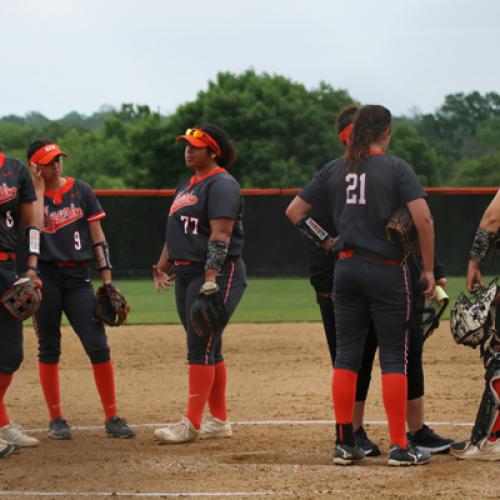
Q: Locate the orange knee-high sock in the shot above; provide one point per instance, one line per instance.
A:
(49, 380)
(201, 380)
(105, 383)
(344, 394)
(217, 398)
(496, 426)
(5, 381)
(395, 392)
(332, 386)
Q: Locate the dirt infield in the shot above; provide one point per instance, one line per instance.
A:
(278, 395)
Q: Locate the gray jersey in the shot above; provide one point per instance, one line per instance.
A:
(361, 202)
(15, 187)
(67, 213)
(197, 202)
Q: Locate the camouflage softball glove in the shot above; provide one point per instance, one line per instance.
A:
(208, 313)
(401, 229)
(111, 306)
(23, 298)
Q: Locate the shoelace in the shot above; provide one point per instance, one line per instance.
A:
(19, 431)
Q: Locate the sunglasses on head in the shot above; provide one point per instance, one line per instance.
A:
(195, 132)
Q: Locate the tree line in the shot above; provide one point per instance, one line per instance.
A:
(284, 133)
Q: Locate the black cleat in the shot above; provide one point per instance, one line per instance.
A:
(366, 444)
(117, 427)
(426, 439)
(408, 456)
(346, 455)
(59, 429)
(6, 449)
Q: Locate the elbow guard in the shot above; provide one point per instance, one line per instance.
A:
(312, 230)
(101, 254)
(216, 255)
(33, 240)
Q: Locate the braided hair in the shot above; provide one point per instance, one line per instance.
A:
(370, 123)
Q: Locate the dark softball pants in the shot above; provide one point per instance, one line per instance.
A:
(11, 330)
(68, 290)
(188, 280)
(415, 370)
(369, 349)
(369, 290)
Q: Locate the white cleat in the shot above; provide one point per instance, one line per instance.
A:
(488, 450)
(180, 432)
(215, 428)
(14, 434)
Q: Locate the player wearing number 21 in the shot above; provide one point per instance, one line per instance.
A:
(371, 282)
(202, 250)
(69, 216)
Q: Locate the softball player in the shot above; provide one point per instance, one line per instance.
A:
(484, 241)
(371, 281)
(321, 269)
(204, 241)
(16, 208)
(70, 216)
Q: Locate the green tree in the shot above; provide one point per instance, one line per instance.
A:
(96, 159)
(483, 171)
(408, 144)
(283, 131)
(453, 130)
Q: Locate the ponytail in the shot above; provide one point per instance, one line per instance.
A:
(370, 122)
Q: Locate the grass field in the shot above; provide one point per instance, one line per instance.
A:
(266, 300)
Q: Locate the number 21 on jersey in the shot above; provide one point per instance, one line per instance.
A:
(355, 190)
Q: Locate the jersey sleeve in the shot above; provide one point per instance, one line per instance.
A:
(224, 199)
(93, 208)
(315, 192)
(26, 188)
(409, 185)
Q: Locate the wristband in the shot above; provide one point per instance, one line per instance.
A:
(33, 237)
(481, 244)
(216, 255)
(312, 230)
(101, 253)
(32, 268)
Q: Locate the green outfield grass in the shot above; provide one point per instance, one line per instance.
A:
(265, 300)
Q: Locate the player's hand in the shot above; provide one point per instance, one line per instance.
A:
(162, 280)
(429, 281)
(474, 278)
(36, 175)
(33, 275)
(442, 282)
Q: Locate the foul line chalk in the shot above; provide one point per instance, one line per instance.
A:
(162, 494)
(262, 422)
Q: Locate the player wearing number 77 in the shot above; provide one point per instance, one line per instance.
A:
(202, 250)
(69, 216)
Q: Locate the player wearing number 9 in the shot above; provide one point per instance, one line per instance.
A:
(69, 216)
(204, 241)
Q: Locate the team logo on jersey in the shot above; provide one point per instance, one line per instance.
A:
(7, 193)
(183, 200)
(53, 221)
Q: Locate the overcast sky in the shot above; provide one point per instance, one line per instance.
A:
(59, 56)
